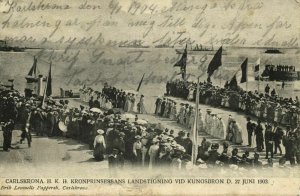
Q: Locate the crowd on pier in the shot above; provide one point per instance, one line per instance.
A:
(267, 106)
(111, 97)
(121, 137)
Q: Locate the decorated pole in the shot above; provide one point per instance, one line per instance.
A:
(195, 127)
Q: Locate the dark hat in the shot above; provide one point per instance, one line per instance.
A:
(215, 146)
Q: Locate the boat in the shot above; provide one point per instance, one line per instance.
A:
(133, 46)
(33, 80)
(164, 46)
(199, 50)
(273, 51)
(279, 73)
(5, 48)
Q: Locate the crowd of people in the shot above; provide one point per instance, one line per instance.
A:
(121, 137)
(267, 106)
(111, 97)
(27, 114)
(211, 123)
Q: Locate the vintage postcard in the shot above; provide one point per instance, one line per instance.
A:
(148, 97)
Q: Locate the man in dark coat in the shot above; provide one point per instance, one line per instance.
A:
(213, 155)
(234, 159)
(113, 159)
(269, 141)
(188, 144)
(96, 103)
(163, 106)
(121, 148)
(38, 121)
(7, 134)
(50, 121)
(259, 137)
(278, 134)
(250, 129)
(91, 102)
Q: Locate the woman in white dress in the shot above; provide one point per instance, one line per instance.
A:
(191, 93)
(237, 133)
(200, 122)
(192, 118)
(99, 146)
(153, 152)
(141, 106)
(221, 128)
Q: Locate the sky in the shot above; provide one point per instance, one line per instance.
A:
(174, 22)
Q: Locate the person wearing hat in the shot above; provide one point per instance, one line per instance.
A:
(188, 144)
(26, 133)
(141, 106)
(162, 107)
(50, 122)
(250, 130)
(256, 162)
(37, 119)
(259, 136)
(224, 157)
(7, 134)
(246, 161)
(153, 152)
(203, 150)
(234, 159)
(237, 133)
(99, 146)
(137, 150)
(278, 135)
(213, 155)
(113, 160)
(181, 114)
(121, 147)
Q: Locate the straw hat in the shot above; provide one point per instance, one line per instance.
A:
(100, 131)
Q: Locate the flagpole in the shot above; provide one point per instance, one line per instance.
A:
(195, 127)
(258, 62)
(247, 77)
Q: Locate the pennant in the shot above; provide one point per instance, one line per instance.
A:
(244, 67)
(182, 63)
(215, 63)
(256, 68)
(233, 83)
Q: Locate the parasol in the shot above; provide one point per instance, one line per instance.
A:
(159, 126)
(62, 126)
(97, 110)
(141, 122)
(127, 116)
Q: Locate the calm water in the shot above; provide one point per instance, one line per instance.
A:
(124, 68)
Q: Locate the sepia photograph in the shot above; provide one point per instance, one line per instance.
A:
(146, 97)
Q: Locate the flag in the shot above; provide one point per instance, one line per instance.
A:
(140, 83)
(233, 83)
(215, 63)
(49, 83)
(256, 68)
(32, 71)
(182, 63)
(244, 67)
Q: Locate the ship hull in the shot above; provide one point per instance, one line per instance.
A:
(198, 52)
(282, 76)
